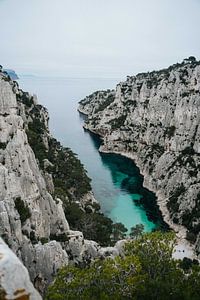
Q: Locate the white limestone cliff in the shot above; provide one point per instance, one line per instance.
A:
(154, 118)
(14, 278)
(32, 218)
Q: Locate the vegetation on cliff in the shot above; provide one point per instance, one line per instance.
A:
(69, 176)
(70, 179)
(93, 224)
(154, 117)
(146, 271)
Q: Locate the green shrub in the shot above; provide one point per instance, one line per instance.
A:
(62, 237)
(110, 98)
(187, 263)
(3, 145)
(22, 209)
(147, 271)
(44, 240)
(25, 99)
(94, 225)
(191, 237)
(170, 131)
(117, 122)
(33, 238)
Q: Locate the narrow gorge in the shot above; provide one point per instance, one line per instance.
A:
(153, 118)
(49, 216)
(42, 186)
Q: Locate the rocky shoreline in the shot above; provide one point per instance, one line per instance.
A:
(187, 248)
(153, 118)
(178, 229)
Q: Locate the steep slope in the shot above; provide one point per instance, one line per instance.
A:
(154, 118)
(28, 213)
(39, 179)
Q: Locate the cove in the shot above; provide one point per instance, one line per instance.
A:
(116, 181)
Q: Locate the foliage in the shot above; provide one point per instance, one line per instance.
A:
(94, 225)
(190, 236)
(33, 238)
(137, 230)
(69, 177)
(67, 171)
(44, 240)
(170, 131)
(187, 263)
(22, 209)
(3, 145)
(110, 98)
(190, 217)
(117, 122)
(118, 232)
(146, 272)
(3, 293)
(62, 237)
(26, 99)
(37, 144)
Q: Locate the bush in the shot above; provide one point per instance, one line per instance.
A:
(191, 237)
(3, 145)
(25, 99)
(44, 240)
(62, 237)
(110, 98)
(186, 263)
(170, 131)
(33, 237)
(173, 204)
(22, 209)
(118, 122)
(95, 226)
(147, 271)
(67, 171)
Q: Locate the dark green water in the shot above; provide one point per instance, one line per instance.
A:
(116, 181)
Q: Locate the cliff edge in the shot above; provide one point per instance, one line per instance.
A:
(154, 118)
(39, 181)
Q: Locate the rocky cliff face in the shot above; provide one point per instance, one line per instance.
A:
(14, 280)
(28, 213)
(38, 178)
(154, 118)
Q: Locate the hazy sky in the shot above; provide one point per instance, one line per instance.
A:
(97, 38)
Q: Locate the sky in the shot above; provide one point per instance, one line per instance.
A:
(97, 38)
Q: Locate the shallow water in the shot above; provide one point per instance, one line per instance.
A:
(116, 181)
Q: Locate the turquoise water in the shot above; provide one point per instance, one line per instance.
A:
(116, 181)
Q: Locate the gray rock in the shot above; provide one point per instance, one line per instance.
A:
(30, 218)
(21, 181)
(14, 280)
(154, 119)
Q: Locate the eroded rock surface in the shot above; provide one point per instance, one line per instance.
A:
(14, 278)
(37, 178)
(154, 118)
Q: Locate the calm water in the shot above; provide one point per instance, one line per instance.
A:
(116, 181)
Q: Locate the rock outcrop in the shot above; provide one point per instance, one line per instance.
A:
(28, 213)
(14, 278)
(154, 118)
(38, 178)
